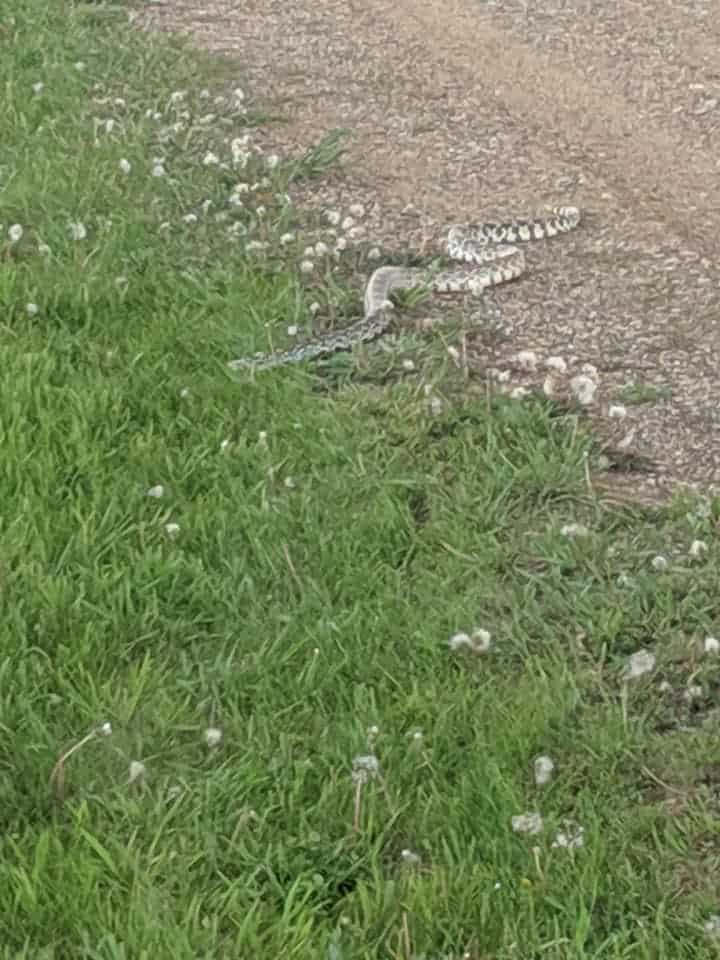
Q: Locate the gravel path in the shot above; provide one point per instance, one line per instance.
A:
(468, 109)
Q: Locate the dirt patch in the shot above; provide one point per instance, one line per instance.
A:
(472, 110)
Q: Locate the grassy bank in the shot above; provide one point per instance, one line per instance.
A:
(274, 589)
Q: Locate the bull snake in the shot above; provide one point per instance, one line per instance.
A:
(488, 247)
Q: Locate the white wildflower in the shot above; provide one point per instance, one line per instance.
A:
(289, 483)
(480, 640)
(544, 767)
(15, 233)
(292, 330)
(38, 87)
(712, 645)
(213, 736)
(77, 230)
(527, 823)
(574, 530)
(105, 729)
(583, 389)
(410, 858)
(172, 530)
(698, 548)
(459, 640)
(527, 359)
(314, 307)
(125, 166)
(556, 363)
(32, 309)
(641, 662)
(571, 838)
(365, 768)
(137, 771)
(408, 365)
(157, 491)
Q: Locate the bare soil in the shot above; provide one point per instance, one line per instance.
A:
(469, 109)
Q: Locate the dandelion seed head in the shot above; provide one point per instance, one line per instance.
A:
(38, 87)
(712, 645)
(172, 530)
(213, 736)
(158, 170)
(15, 233)
(105, 729)
(77, 230)
(698, 548)
(157, 491)
(292, 330)
(459, 640)
(124, 165)
(32, 309)
(583, 389)
(544, 767)
(531, 823)
(640, 663)
(365, 768)
(659, 563)
(137, 771)
(410, 858)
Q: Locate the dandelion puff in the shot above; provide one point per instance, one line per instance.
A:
(158, 169)
(410, 858)
(172, 530)
(32, 309)
(213, 737)
(574, 530)
(79, 65)
(583, 389)
(57, 777)
(292, 330)
(544, 767)
(659, 563)
(571, 838)
(365, 768)
(190, 218)
(459, 640)
(125, 166)
(698, 548)
(640, 663)
(531, 823)
(77, 230)
(480, 640)
(157, 491)
(38, 87)
(137, 772)
(712, 645)
(15, 233)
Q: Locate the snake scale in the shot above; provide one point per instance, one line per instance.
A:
(489, 249)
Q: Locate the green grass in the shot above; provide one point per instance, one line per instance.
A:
(331, 539)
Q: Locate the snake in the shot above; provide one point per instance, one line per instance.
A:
(489, 249)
